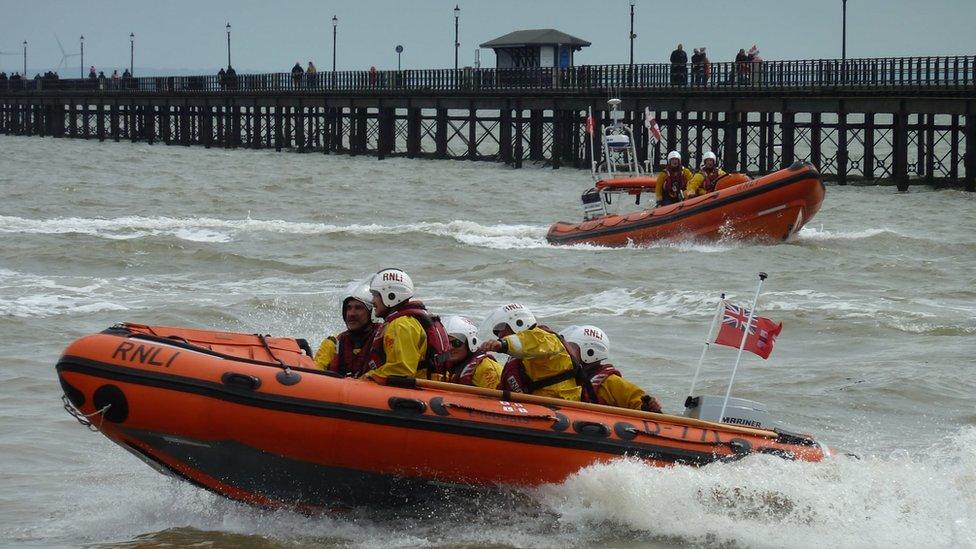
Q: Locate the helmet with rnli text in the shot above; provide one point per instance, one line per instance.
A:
(513, 315)
(674, 154)
(393, 285)
(358, 290)
(463, 329)
(594, 345)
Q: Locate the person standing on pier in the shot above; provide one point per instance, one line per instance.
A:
(310, 73)
(679, 66)
(296, 74)
(741, 67)
(697, 68)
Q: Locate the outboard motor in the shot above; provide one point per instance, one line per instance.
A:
(739, 411)
(593, 204)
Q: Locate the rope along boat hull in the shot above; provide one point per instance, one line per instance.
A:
(243, 416)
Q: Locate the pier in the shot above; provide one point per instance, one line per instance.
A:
(893, 120)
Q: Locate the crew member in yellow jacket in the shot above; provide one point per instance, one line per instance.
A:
(540, 364)
(404, 345)
(467, 365)
(347, 353)
(608, 384)
(707, 177)
(672, 181)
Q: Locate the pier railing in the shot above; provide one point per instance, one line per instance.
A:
(954, 72)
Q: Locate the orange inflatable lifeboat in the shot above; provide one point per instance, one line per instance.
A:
(247, 417)
(772, 207)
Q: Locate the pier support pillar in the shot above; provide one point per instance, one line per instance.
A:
(969, 160)
(868, 163)
(413, 132)
(730, 154)
(842, 155)
(556, 147)
(472, 131)
(518, 151)
(440, 133)
(788, 153)
(300, 132)
(900, 152)
(387, 127)
(815, 141)
(535, 135)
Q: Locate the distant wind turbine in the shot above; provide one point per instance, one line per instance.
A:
(64, 56)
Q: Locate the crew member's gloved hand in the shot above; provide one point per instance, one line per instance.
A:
(650, 404)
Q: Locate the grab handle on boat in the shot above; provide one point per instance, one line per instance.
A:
(411, 405)
(591, 429)
(241, 381)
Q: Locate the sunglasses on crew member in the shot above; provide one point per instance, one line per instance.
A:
(456, 343)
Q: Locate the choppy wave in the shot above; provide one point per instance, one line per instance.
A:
(897, 500)
(202, 229)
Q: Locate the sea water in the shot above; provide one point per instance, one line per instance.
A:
(876, 296)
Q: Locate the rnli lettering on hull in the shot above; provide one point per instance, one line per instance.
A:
(144, 354)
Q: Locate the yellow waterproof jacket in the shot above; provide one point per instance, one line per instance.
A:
(697, 185)
(662, 176)
(617, 391)
(482, 371)
(487, 374)
(327, 351)
(404, 346)
(543, 355)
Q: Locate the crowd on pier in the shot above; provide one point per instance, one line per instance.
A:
(747, 67)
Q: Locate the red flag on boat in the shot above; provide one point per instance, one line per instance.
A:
(653, 131)
(762, 331)
(589, 124)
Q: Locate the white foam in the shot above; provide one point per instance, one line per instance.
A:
(925, 500)
(821, 234)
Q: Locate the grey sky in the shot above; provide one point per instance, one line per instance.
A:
(271, 36)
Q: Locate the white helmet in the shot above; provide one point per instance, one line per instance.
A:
(358, 290)
(709, 156)
(513, 315)
(461, 328)
(674, 154)
(593, 343)
(393, 285)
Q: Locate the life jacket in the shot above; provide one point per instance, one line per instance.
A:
(711, 178)
(438, 344)
(347, 361)
(674, 184)
(598, 373)
(463, 374)
(517, 380)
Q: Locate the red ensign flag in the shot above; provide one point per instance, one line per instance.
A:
(762, 332)
(589, 124)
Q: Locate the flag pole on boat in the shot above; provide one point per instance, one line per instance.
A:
(708, 342)
(591, 126)
(742, 345)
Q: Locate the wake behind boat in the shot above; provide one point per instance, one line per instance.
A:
(771, 208)
(246, 416)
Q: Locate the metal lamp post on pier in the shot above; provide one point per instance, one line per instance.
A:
(82, 56)
(335, 28)
(457, 14)
(25, 59)
(228, 46)
(132, 54)
(632, 35)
